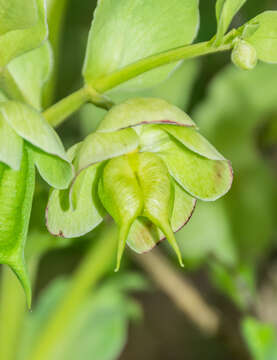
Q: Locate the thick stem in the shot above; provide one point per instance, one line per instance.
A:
(96, 264)
(131, 71)
(57, 113)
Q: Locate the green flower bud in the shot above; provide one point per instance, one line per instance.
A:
(244, 55)
(26, 141)
(146, 165)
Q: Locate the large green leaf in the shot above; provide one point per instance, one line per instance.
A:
(121, 196)
(141, 111)
(64, 219)
(10, 145)
(29, 72)
(264, 39)
(29, 124)
(98, 147)
(17, 14)
(124, 31)
(158, 195)
(17, 42)
(16, 194)
(225, 11)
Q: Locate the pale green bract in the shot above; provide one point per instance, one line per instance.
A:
(149, 165)
(264, 39)
(19, 41)
(17, 14)
(225, 11)
(27, 140)
(124, 31)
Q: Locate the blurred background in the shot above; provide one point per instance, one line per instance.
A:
(224, 304)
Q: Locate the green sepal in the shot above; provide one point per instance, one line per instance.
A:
(203, 178)
(193, 140)
(158, 195)
(54, 170)
(62, 219)
(121, 196)
(17, 14)
(141, 111)
(11, 145)
(31, 126)
(27, 74)
(264, 39)
(17, 42)
(225, 12)
(16, 194)
(124, 31)
(98, 147)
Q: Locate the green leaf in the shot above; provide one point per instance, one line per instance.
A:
(193, 140)
(16, 194)
(11, 145)
(20, 41)
(30, 72)
(264, 39)
(64, 219)
(141, 111)
(201, 177)
(29, 124)
(158, 195)
(121, 196)
(54, 170)
(261, 339)
(17, 14)
(124, 31)
(98, 147)
(225, 11)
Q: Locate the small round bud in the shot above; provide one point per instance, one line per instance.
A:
(244, 55)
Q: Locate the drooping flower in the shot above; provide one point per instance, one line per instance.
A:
(146, 165)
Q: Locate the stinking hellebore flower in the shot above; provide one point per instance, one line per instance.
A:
(146, 165)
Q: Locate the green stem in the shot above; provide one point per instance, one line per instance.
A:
(131, 71)
(57, 113)
(96, 263)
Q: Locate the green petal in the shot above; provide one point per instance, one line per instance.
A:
(124, 31)
(193, 140)
(203, 178)
(141, 111)
(54, 170)
(121, 196)
(30, 72)
(16, 194)
(64, 220)
(29, 124)
(103, 146)
(11, 145)
(158, 195)
(17, 42)
(11, 15)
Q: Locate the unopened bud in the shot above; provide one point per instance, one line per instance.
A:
(244, 55)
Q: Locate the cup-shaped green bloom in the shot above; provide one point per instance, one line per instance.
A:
(146, 165)
(26, 141)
